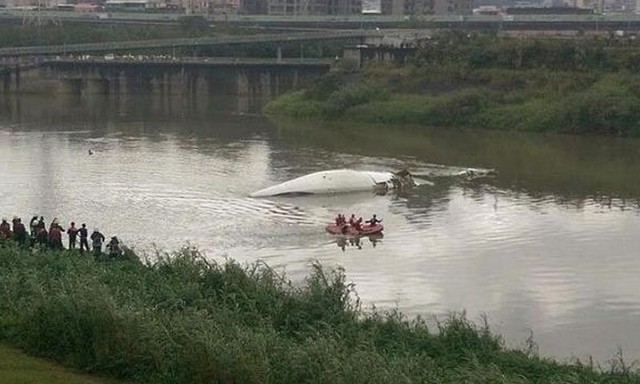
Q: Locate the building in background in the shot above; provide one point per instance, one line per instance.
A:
(427, 7)
(371, 7)
(488, 10)
(132, 5)
(28, 4)
(253, 7)
(263, 7)
(344, 7)
(227, 7)
(288, 7)
(392, 7)
(548, 11)
(314, 7)
(592, 4)
(14, 3)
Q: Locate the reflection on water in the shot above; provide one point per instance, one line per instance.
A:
(358, 242)
(563, 165)
(550, 244)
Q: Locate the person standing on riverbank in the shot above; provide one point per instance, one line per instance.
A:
(5, 230)
(97, 239)
(54, 224)
(33, 226)
(84, 244)
(55, 236)
(42, 237)
(72, 232)
(41, 223)
(19, 232)
(115, 249)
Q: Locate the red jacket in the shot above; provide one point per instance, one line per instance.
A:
(55, 234)
(5, 231)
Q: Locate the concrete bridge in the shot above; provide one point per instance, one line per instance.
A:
(102, 71)
(193, 78)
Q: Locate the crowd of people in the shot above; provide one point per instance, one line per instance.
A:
(341, 221)
(39, 236)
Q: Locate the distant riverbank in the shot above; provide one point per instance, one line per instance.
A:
(185, 319)
(576, 86)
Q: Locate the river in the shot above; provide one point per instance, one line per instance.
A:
(549, 246)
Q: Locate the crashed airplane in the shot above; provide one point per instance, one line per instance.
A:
(339, 181)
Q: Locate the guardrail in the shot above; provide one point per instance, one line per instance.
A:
(213, 61)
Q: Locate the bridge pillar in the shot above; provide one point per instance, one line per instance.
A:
(265, 85)
(242, 83)
(352, 56)
(200, 90)
(192, 84)
(167, 83)
(72, 86)
(17, 78)
(6, 81)
(97, 86)
(276, 87)
(115, 80)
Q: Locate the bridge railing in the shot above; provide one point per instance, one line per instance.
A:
(202, 61)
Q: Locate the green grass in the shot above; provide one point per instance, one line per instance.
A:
(296, 105)
(18, 368)
(607, 104)
(186, 319)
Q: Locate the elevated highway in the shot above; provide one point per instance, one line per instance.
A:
(184, 42)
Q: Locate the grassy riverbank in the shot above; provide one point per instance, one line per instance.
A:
(182, 319)
(572, 86)
(16, 367)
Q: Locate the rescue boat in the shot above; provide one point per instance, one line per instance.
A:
(346, 229)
